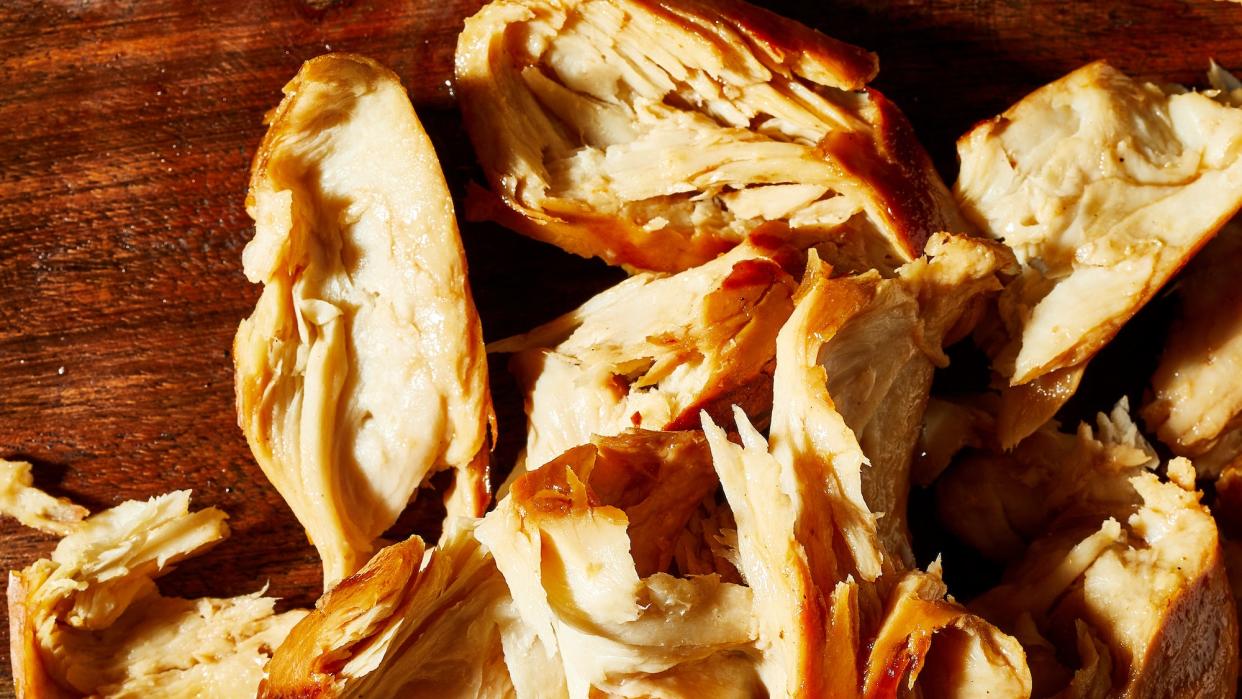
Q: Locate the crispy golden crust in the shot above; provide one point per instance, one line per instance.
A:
(870, 151)
(307, 663)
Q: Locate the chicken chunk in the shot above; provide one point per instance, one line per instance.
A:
(564, 551)
(412, 623)
(855, 362)
(361, 371)
(653, 350)
(658, 135)
(1108, 560)
(89, 621)
(811, 610)
(1197, 406)
(1104, 187)
(824, 573)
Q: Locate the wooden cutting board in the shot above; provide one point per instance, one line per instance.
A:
(126, 131)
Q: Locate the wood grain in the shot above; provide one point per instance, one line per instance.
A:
(126, 130)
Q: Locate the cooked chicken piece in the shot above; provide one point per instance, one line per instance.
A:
(659, 479)
(793, 556)
(855, 366)
(986, 499)
(653, 350)
(971, 658)
(1197, 408)
(362, 370)
(33, 507)
(1120, 565)
(564, 551)
(89, 621)
(835, 322)
(812, 612)
(658, 135)
(1104, 187)
(808, 542)
(412, 623)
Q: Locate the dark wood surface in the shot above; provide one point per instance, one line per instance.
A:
(126, 131)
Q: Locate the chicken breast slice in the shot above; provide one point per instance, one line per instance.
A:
(654, 350)
(564, 551)
(361, 371)
(89, 621)
(1196, 408)
(1104, 187)
(1108, 559)
(658, 135)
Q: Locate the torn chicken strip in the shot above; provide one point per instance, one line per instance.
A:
(1197, 406)
(806, 610)
(361, 371)
(412, 622)
(971, 658)
(1104, 187)
(812, 439)
(653, 350)
(565, 555)
(1108, 559)
(658, 135)
(854, 368)
(89, 621)
(811, 614)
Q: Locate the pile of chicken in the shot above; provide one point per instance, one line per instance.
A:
(712, 498)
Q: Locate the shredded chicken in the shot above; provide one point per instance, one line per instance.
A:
(1104, 187)
(362, 370)
(658, 135)
(653, 350)
(412, 623)
(564, 551)
(1197, 407)
(806, 613)
(986, 499)
(808, 543)
(813, 613)
(870, 345)
(89, 621)
(970, 657)
(1108, 559)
